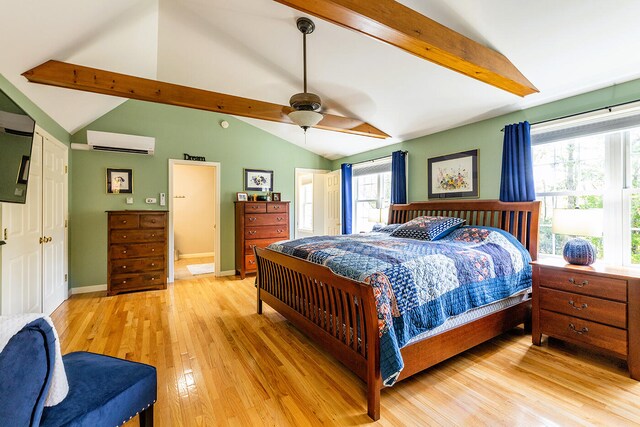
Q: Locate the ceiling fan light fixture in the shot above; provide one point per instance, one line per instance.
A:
(305, 118)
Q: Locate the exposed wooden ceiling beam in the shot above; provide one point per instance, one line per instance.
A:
(71, 76)
(400, 26)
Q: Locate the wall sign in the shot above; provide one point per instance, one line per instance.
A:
(196, 158)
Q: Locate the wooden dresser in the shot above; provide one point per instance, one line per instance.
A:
(137, 251)
(258, 224)
(596, 307)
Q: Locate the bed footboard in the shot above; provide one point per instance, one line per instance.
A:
(339, 313)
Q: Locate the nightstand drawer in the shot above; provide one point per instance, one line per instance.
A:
(589, 308)
(583, 331)
(586, 284)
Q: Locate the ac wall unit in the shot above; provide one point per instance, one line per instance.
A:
(117, 142)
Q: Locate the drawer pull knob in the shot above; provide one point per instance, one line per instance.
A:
(124, 252)
(252, 232)
(153, 221)
(124, 237)
(153, 264)
(124, 281)
(251, 261)
(252, 218)
(582, 331)
(124, 221)
(280, 218)
(278, 231)
(153, 278)
(573, 304)
(276, 207)
(153, 250)
(124, 266)
(153, 235)
(573, 282)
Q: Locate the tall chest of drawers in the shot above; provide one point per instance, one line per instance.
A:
(137, 251)
(597, 307)
(258, 224)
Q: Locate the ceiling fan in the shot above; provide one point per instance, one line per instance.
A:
(305, 105)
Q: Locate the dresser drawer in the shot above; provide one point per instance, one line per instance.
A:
(277, 207)
(255, 207)
(266, 232)
(126, 236)
(124, 221)
(586, 284)
(261, 243)
(152, 220)
(598, 310)
(584, 331)
(123, 281)
(250, 262)
(138, 265)
(136, 250)
(266, 219)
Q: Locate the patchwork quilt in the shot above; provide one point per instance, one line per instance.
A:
(419, 284)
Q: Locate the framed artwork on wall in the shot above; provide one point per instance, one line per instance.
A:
(258, 180)
(119, 181)
(453, 175)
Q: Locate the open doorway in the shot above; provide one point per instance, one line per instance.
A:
(309, 202)
(194, 215)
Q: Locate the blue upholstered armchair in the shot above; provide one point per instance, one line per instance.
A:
(103, 391)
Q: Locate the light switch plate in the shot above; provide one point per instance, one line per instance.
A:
(163, 199)
(150, 200)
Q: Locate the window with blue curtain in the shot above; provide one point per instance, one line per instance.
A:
(516, 184)
(399, 177)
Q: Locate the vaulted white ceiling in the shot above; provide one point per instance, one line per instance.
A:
(252, 48)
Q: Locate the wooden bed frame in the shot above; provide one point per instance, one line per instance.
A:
(326, 307)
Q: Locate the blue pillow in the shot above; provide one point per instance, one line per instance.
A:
(381, 228)
(428, 227)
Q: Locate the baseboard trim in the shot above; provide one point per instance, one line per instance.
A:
(227, 273)
(87, 289)
(202, 255)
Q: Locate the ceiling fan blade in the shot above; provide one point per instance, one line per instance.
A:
(400, 26)
(71, 76)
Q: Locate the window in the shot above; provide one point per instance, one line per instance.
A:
(305, 213)
(372, 194)
(592, 164)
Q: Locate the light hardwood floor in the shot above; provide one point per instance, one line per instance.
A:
(220, 363)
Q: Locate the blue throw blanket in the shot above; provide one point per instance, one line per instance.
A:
(420, 284)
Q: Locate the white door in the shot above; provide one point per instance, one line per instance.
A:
(54, 231)
(332, 220)
(22, 255)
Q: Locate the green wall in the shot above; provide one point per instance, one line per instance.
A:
(487, 137)
(177, 130)
(42, 120)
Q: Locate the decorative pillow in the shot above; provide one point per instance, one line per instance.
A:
(381, 228)
(428, 227)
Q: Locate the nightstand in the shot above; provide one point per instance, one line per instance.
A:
(596, 307)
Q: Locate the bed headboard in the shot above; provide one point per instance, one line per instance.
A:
(517, 218)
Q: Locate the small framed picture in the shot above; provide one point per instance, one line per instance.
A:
(242, 197)
(119, 181)
(453, 175)
(258, 180)
(23, 174)
(276, 197)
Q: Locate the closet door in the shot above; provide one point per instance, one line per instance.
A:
(54, 231)
(22, 255)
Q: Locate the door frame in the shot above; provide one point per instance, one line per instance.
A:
(296, 173)
(216, 234)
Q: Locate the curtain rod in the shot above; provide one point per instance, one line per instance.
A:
(581, 113)
(377, 158)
